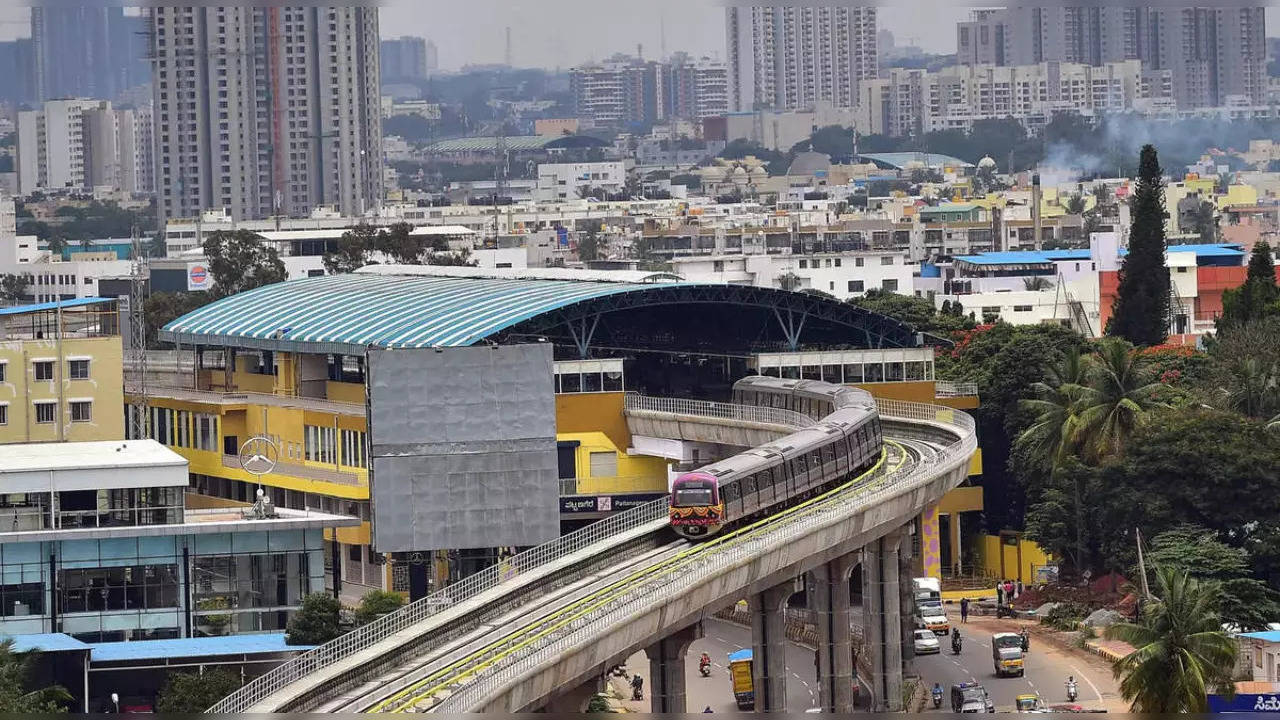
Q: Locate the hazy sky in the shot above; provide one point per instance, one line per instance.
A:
(563, 33)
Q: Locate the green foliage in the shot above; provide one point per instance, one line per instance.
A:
(1141, 310)
(1246, 602)
(16, 695)
(352, 251)
(377, 603)
(316, 623)
(1258, 297)
(13, 287)
(598, 704)
(1066, 616)
(161, 308)
(239, 261)
(95, 220)
(919, 313)
(592, 246)
(1181, 652)
(190, 692)
(690, 180)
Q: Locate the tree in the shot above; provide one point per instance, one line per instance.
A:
(1258, 297)
(591, 246)
(161, 308)
(57, 245)
(1121, 390)
(16, 696)
(398, 243)
(1036, 283)
(1141, 310)
(1205, 219)
(789, 281)
(13, 287)
(316, 623)
(86, 244)
(461, 258)
(156, 247)
(239, 261)
(189, 692)
(1074, 204)
(1181, 652)
(377, 603)
(919, 313)
(352, 252)
(1247, 602)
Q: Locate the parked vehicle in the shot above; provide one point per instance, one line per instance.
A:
(971, 698)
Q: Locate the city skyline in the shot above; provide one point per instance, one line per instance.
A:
(474, 33)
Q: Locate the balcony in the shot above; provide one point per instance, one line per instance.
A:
(304, 472)
(949, 389)
(236, 399)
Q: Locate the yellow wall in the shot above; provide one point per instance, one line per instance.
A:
(635, 473)
(344, 392)
(922, 391)
(961, 499)
(594, 412)
(1002, 561)
(104, 388)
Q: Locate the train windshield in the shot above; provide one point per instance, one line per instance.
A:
(693, 497)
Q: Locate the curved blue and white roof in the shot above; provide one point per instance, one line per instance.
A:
(393, 307)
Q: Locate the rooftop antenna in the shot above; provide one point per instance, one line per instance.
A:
(507, 54)
(662, 36)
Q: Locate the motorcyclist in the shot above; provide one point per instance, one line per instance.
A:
(704, 664)
(1071, 687)
(637, 687)
(1026, 640)
(955, 640)
(937, 693)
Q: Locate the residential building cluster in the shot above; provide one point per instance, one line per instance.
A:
(85, 144)
(625, 91)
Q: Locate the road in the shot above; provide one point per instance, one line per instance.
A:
(716, 691)
(1047, 669)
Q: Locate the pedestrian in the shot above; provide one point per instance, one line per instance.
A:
(1020, 589)
(964, 610)
(999, 594)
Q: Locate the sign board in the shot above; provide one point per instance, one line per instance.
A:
(562, 236)
(576, 504)
(1244, 703)
(462, 444)
(198, 277)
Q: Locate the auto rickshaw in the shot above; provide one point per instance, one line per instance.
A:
(1028, 703)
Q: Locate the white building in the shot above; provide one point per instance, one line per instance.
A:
(698, 88)
(906, 101)
(564, 181)
(787, 57)
(843, 275)
(80, 143)
(231, 134)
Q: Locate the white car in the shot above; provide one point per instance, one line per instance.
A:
(927, 642)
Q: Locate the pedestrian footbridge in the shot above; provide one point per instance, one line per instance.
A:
(521, 634)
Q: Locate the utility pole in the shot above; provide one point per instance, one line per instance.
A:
(1142, 567)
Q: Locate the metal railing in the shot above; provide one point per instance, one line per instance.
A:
(306, 472)
(701, 568)
(653, 513)
(724, 411)
(950, 389)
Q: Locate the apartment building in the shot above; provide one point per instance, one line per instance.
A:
(266, 110)
(905, 101)
(1214, 55)
(405, 58)
(620, 92)
(566, 181)
(788, 57)
(697, 88)
(81, 143)
(60, 372)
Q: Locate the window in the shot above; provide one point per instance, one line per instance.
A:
(4, 413)
(886, 260)
(78, 369)
(990, 310)
(353, 449)
(44, 412)
(1022, 308)
(837, 262)
(44, 370)
(856, 285)
(857, 262)
(320, 444)
(81, 411)
(3, 367)
(804, 264)
(889, 285)
(604, 464)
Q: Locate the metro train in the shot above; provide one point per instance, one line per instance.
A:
(846, 442)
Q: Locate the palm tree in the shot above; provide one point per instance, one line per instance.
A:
(1121, 390)
(1052, 436)
(1034, 283)
(1253, 387)
(15, 697)
(1181, 652)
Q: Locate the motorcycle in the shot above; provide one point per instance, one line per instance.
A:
(955, 646)
(1026, 641)
(705, 669)
(937, 700)
(1072, 692)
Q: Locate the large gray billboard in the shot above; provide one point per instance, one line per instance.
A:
(462, 446)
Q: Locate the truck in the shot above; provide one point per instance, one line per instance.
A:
(1006, 654)
(927, 592)
(740, 675)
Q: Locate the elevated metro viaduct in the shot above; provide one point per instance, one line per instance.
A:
(292, 368)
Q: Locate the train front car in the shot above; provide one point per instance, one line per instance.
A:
(697, 511)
